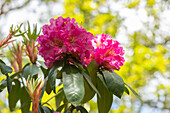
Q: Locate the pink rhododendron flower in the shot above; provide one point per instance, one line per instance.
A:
(63, 35)
(107, 53)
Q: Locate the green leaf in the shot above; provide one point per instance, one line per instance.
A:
(4, 83)
(14, 95)
(81, 109)
(25, 100)
(52, 77)
(48, 88)
(105, 101)
(61, 107)
(73, 84)
(134, 92)
(30, 70)
(59, 97)
(92, 69)
(114, 83)
(46, 109)
(9, 84)
(126, 90)
(87, 96)
(43, 89)
(90, 83)
(5, 69)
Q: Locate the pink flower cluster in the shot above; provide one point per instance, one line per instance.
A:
(64, 36)
(107, 52)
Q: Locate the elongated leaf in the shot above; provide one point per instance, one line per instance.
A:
(25, 100)
(46, 109)
(105, 101)
(48, 88)
(126, 90)
(59, 97)
(5, 69)
(114, 83)
(30, 70)
(92, 69)
(81, 109)
(52, 77)
(14, 95)
(59, 109)
(4, 83)
(134, 92)
(88, 96)
(73, 84)
(43, 89)
(9, 84)
(90, 83)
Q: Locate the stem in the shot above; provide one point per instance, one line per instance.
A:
(51, 97)
(71, 108)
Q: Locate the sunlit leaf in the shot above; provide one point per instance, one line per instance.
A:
(73, 84)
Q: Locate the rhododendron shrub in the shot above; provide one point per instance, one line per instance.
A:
(85, 65)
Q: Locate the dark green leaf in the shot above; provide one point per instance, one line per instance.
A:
(5, 69)
(14, 95)
(73, 84)
(61, 107)
(25, 100)
(46, 109)
(43, 89)
(59, 74)
(81, 109)
(134, 92)
(48, 88)
(90, 83)
(59, 97)
(9, 84)
(3, 83)
(114, 83)
(92, 69)
(30, 70)
(87, 96)
(105, 101)
(52, 77)
(126, 90)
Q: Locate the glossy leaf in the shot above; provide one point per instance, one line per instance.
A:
(92, 69)
(52, 77)
(90, 83)
(73, 84)
(114, 83)
(14, 95)
(25, 100)
(30, 70)
(5, 69)
(105, 101)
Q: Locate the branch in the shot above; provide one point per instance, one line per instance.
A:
(10, 9)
